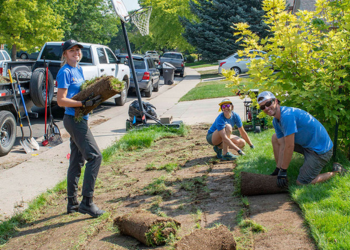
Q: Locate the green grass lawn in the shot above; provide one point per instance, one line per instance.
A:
(206, 90)
(325, 206)
(200, 64)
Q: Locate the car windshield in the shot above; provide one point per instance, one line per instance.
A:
(151, 52)
(174, 56)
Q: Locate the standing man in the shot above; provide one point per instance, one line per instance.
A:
(297, 130)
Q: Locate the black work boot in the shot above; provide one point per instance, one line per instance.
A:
(73, 205)
(88, 207)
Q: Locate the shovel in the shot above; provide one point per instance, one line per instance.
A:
(53, 132)
(33, 143)
(25, 144)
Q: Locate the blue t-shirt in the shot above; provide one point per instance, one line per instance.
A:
(70, 78)
(309, 132)
(221, 121)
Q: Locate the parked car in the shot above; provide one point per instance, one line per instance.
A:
(4, 57)
(152, 54)
(174, 58)
(147, 75)
(232, 63)
(25, 55)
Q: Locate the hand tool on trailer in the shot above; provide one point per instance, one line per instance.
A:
(33, 143)
(25, 144)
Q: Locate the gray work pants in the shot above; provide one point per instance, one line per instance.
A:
(83, 147)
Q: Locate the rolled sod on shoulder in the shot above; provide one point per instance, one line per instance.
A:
(146, 227)
(105, 86)
(256, 184)
(208, 239)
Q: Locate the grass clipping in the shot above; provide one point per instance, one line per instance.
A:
(106, 86)
(148, 228)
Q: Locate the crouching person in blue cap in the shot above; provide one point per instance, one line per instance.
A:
(220, 133)
(297, 130)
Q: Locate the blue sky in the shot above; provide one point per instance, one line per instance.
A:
(131, 4)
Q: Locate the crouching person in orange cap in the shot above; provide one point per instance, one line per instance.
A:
(220, 133)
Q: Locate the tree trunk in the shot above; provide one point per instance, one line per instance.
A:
(13, 53)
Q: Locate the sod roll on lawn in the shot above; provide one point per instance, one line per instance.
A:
(105, 86)
(146, 227)
(256, 184)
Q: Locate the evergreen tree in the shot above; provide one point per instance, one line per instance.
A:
(212, 30)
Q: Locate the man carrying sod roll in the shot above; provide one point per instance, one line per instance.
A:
(220, 133)
(297, 130)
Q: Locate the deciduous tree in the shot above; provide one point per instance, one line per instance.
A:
(27, 24)
(311, 52)
(165, 27)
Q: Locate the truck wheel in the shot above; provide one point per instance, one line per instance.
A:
(24, 56)
(37, 87)
(8, 131)
(182, 73)
(121, 100)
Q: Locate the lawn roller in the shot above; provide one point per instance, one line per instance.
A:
(255, 123)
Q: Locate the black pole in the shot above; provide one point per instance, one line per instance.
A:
(133, 72)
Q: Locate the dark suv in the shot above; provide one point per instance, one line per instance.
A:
(147, 75)
(174, 58)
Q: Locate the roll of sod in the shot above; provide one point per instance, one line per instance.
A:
(146, 227)
(105, 86)
(208, 239)
(257, 184)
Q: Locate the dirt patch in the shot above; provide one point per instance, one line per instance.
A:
(199, 193)
(219, 238)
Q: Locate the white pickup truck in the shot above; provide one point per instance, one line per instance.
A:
(97, 60)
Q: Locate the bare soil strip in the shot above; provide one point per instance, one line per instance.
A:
(200, 193)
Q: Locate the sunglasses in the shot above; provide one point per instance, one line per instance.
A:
(225, 106)
(267, 104)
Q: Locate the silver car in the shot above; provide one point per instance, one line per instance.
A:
(237, 63)
(147, 75)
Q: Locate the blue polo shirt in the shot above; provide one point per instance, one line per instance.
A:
(221, 121)
(309, 132)
(70, 78)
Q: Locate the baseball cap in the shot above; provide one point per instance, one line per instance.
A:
(266, 95)
(70, 44)
(224, 101)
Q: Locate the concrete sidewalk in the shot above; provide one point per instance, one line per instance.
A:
(24, 182)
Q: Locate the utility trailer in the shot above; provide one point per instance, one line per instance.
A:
(33, 88)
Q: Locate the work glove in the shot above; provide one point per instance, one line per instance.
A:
(275, 172)
(252, 146)
(240, 152)
(282, 180)
(91, 101)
